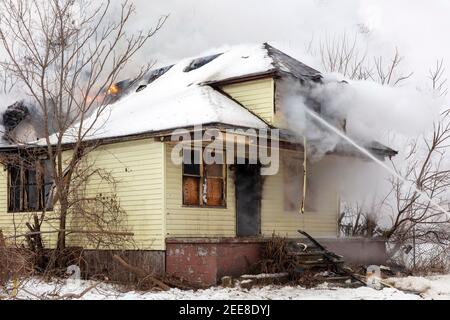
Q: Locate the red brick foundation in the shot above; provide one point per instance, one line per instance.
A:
(206, 261)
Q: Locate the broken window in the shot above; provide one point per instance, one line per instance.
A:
(155, 74)
(200, 62)
(152, 76)
(29, 187)
(203, 184)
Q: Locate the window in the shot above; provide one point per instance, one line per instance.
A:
(200, 62)
(29, 187)
(203, 184)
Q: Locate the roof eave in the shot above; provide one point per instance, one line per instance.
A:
(247, 77)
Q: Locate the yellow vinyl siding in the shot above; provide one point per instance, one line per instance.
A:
(256, 95)
(184, 221)
(206, 222)
(274, 218)
(137, 168)
(149, 188)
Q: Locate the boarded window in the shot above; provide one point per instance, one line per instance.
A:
(203, 184)
(29, 187)
(191, 178)
(214, 180)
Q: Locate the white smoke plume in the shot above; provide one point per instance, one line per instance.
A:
(364, 110)
(372, 109)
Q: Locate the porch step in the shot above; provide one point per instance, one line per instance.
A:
(306, 255)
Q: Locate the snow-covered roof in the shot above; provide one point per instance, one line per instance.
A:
(146, 112)
(179, 95)
(180, 98)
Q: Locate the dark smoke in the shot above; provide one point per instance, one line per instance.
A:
(14, 115)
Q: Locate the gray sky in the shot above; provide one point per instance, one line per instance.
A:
(418, 28)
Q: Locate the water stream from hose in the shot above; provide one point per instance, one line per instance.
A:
(372, 157)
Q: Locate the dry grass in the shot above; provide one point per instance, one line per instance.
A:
(275, 257)
(14, 262)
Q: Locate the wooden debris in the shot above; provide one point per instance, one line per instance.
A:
(266, 279)
(80, 295)
(227, 282)
(146, 280)
(307, 263)
(247, 284)
(332, 259)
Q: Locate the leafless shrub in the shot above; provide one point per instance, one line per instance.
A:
(275, 257)
(356, 220)
(14, 262)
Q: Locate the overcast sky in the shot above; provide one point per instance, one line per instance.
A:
(418, 28)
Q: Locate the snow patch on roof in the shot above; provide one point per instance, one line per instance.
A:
(192, 106)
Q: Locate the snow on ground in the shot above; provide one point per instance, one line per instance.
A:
(436, 287)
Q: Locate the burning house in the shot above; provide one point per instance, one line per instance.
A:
(197, 219)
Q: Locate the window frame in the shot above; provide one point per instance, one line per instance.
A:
(202, 182)
(42, 200)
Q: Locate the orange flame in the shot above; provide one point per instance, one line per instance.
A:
(113, 90)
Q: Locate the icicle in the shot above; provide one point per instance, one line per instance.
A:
(305, 180)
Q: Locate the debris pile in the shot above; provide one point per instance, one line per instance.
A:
(307, 263)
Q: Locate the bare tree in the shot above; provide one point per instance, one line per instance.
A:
(437, 78)
(417, 203)
(386, 73)
(424, 167)
(425, 171)
(65, 54)
(347, 56)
